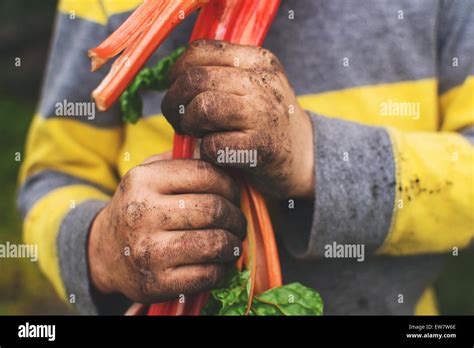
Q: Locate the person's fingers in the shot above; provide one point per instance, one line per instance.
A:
(196, 247)
(220, 53)
(192, 279)
(242, 150)
(197, 176)
(160, 285)
(183, 176)
(196, 211)
(185, 212)
(160, 157)
(214, 111)
(197, 80)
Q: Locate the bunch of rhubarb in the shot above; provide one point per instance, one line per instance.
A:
(255, 288)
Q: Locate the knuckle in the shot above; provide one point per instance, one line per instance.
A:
(139, 254)
(268, 57)
(206, 44)
(150, 284)
(221, 240)
(210, 111)
(197, 116)
(209, 147)
(219, 44)
(217, 209)
(265, 53)
(275, 63)
(136, 174)
(211, 275)
(195, 76)
(202, 104)
(133, 212)
(131, 183)
(147, 253)
(217, 245)
(197, 44)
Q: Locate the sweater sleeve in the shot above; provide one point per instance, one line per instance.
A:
(398, 192)
(394, 192)
(69, 170)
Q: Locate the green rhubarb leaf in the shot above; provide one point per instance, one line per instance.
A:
(148, 79)
(290, 299)
(212, 307)
(232, 299)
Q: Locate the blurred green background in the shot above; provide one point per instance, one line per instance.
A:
(25, 31)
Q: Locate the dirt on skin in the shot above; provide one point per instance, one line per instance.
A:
(263, 111)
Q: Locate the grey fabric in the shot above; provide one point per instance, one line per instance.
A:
(39, 185)
(72, 249)
(152, 99)
(68, 75)
(381, 49)
(456, 40)
(468, 133)
(353, 205)
(355, 187)
(335, 30)
(372, 287)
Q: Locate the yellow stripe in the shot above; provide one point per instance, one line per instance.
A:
(97, 10)
(43, 222)
(458, 106)
(150, 136)
(367, 104)
(88, 9)
(113, 7)
(74, 148)
(362, 104)
(437, 210)
(427, 304)
(434, 194)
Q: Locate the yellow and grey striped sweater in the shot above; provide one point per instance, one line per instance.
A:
(390, 88)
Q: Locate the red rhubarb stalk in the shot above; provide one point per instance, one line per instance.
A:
(236, 21)
(141, 18)
(168, 15)
(245, 22)
(251, 261)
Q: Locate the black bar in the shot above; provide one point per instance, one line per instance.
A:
(349, 330)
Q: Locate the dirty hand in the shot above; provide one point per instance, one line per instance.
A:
(239, 101)
(172, 227)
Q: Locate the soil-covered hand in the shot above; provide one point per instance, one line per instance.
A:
(239, 101)
(173, 227)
